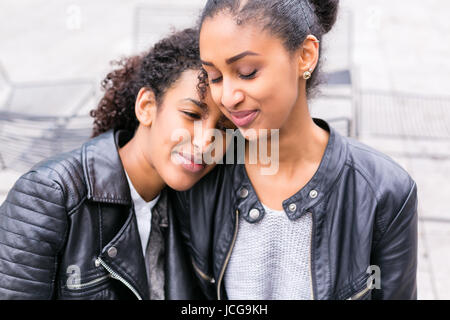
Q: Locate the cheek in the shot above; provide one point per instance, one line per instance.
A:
(216, 93)
(164, 139)
(281, 92)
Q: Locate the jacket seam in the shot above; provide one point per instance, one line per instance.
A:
(363, 174)
(15, 248)
(63, 241)
(70, 174)
(121, 201)
(32, 210)
(28, 238)
(28, 223)
(100, 225)
(384, 157)
(38, 182)
(35, 197)
(85, 164)
(343, 293)
(396, 216)
(76, 166)
(25, 265)
(312, 209)
(74, 209)
(59, 188)
(13, 290)
(20, 278)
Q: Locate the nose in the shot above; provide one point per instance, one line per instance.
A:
(203, 137)
(231, 96)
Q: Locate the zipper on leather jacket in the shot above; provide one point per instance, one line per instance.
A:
(81, 286)
(311, 254)
(202, 274)
(219, 282)
(359, 294)
(114, 275)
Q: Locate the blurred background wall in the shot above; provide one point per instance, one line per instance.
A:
(386, 66)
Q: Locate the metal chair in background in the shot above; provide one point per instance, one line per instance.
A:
(41, 119)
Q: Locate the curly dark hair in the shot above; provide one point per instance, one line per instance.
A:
(156, 69)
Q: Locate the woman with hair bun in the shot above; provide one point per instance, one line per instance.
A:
(338, 219)
(97, 222)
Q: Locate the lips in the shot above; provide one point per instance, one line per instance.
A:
(244, 118)
(187, 161)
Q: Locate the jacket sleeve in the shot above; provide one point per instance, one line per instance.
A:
(33, 223)
(396, 254)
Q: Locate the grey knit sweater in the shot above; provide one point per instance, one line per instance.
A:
(271, 259)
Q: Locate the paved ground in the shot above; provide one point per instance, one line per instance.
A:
(399, 46)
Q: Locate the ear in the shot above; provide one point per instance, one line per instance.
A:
(145, 107)
(308, 54)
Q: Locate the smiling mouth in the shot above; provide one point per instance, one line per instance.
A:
(189, 162)
(244, 118)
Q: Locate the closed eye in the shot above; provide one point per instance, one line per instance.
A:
(216, 80)
(194, 116)
(248, 76)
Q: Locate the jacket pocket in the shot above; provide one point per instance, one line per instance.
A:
(202, 275)
(361, 295)
(358, 289)
(88, 284)
(207, 282)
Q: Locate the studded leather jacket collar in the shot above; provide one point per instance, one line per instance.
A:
(364, 210)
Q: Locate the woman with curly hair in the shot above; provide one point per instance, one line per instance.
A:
(96, 223)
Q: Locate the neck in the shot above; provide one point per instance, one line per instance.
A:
(143, 176)
(301, 141)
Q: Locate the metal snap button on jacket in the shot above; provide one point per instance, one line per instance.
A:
(292, 207)
(313, 194)
(112, 252)
(254, 214)
(243, 193)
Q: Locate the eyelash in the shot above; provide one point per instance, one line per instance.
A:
(245, 77)
(192, 115)
(216, 80)
(249, 76)
(198, 117)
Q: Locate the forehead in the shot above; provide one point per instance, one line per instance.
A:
(185, 89)
(221, 36)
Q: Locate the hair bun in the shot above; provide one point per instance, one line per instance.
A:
(326, 11)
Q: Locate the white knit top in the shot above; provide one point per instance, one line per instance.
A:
(271, 259)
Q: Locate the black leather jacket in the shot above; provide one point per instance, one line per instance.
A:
(364, 209)
(68, 231)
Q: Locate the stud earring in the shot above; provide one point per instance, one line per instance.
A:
(308, 74)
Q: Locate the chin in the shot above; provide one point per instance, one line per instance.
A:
(248, 133)
(180, 181)
(181, 184)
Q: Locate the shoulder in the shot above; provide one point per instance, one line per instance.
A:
(59, 179)
(394, 188)
(381, 172)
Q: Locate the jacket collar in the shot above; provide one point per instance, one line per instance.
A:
(103, 170)
(306, 198)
